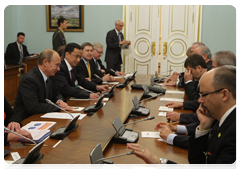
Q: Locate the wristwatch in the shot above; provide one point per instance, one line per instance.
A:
(163, 160)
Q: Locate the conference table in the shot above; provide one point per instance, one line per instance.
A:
(76, 147)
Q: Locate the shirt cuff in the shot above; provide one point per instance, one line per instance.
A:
(188, 81)
(170, 138)
(181, 129)
(199, 133)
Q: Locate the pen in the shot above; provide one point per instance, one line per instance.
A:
(172, 123)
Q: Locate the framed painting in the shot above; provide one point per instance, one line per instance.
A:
(74, 15)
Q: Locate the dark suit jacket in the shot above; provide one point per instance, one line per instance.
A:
(191, 105)
(11, 116)
(67, 88)
(209, 65)
(192, 90)
(108, 71)
(12, 54)
(83, 72)
(113, 51)
(222, 147)
(31, 95)
(58, 39)
(187, 118)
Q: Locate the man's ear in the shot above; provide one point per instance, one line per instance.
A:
(204, 56)
(225, 94)
(45, 61)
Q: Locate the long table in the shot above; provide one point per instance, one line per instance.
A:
(76, 147)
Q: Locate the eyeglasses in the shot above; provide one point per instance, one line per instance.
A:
(98, 51)
(77, 56)
(203, 95)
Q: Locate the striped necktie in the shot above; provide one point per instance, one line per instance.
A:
(89, 70)
(21, 54)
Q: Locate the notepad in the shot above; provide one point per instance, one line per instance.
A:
(162, 113)
(58, 115)
(171, 99)
(146, 134)
(164, 108)
(174, 91)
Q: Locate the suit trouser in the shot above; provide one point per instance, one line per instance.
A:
(115, 66)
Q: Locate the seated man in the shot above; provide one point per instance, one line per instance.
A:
(16, 51)
(97, 53)
(87, 68)
(13, 122)
(218, 101)
(177, 79)
(205, 53)
(39, 84)
(67, 78)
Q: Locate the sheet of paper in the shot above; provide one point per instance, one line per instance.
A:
(171, 99)
(162, 114)
(164, 108)
(77, 108)
(127, 51)
(103, 104)
(146, 134)
(174, 91)
(38, 125)
(57, 115)
(73, 98)
(105, 99)
(113, 82)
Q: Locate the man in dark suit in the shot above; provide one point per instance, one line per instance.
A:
(39, 84)
(97, 53)
(87, 68)
(115, 41)
(66, 78)
(58, 37)
(13, 122)
(218, 104)
(16, 51)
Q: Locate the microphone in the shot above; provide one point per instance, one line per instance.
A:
(166, 71)
(102, 159)
(102, 79)
(159, 94)
(148, 118)
(127, 68)
(50, 102)
(80, 87)
(20, 135)
(96, 155)
(116, 74)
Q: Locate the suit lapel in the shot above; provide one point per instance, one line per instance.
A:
(64, 67)
(40, 77)
(17, 49)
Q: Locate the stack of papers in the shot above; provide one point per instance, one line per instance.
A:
(171, 99)
(165, 109)
(58, 115)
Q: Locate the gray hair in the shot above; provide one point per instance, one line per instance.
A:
(225, 77)
(188, 53)
(205, 50)
(118, 21)
(224, 58)
(198, 43)
(97, 45)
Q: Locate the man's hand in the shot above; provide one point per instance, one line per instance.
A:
(14, 126)
(204, 117)
(107, 77)
(88, 79)
(162, 124)
(23, 132)
(119, 73)
(123, 42)
(170, 82)
(103, 71)
(173, 116)
(94, 95)
(64, 105)
(102, 87)
(144, 153)
(165, 131)
(188, 75)
(175, 105)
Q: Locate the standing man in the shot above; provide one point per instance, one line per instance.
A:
(58, 38)
(67, 78)
(115, 41)
(16, 51)
(39, 84)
